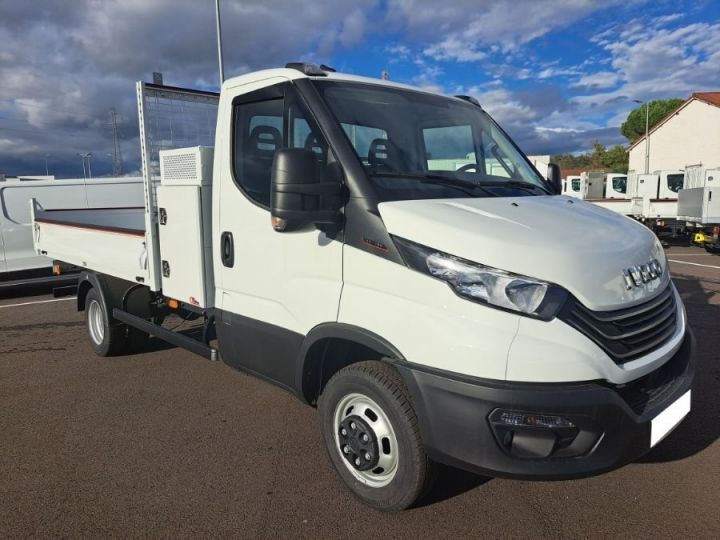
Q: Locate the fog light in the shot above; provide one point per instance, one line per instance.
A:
(509, 418)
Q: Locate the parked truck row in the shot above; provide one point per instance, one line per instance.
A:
(331, 245)
(672, 202)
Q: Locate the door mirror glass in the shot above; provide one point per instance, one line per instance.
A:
(298, 198)
(553, 178)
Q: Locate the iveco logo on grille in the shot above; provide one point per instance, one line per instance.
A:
(635, 276)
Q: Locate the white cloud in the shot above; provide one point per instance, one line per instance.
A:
(599, 79)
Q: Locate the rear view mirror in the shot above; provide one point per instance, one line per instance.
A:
(297, 198)
(553, 177)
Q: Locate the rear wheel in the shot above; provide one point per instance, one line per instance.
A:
(107, 338)
(372, 436)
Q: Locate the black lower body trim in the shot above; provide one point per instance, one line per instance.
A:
(458, 421)
(265, 350)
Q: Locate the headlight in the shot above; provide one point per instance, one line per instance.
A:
(484, 284)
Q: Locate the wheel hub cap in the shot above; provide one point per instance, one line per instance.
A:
(358, 443)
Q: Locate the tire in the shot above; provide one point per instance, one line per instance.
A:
(365, 409)
(107, 338)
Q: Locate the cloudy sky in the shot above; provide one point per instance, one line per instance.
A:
(557, 74)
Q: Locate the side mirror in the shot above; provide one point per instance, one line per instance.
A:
(553, 177)
(296, 196)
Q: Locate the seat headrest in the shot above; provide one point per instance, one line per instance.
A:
(264, 139)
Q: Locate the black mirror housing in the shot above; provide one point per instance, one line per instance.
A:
(553, 177)
(296, 197)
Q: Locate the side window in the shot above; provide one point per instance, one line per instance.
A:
(448, 148)
(258, 135)
(620, 184)
(675, 182)
(263, 127)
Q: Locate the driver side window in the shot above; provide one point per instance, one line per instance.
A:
(264, 126)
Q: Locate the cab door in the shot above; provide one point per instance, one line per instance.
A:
(274, 287)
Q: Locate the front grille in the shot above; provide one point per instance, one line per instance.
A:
(626, 334)
(652, 391)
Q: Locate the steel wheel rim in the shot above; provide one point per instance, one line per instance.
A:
(373, 415)
(96, 324)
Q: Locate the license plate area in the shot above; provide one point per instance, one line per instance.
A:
(667, 420)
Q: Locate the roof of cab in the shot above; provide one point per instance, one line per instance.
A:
(292, 74)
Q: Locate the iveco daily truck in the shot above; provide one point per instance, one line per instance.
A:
(430, 313)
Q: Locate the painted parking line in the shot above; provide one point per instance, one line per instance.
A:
(36, 302)
(694, 264)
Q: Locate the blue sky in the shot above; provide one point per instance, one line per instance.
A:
(558, 75)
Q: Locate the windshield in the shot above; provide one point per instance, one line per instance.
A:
(575, 183)
(675, 182)
(416, 145)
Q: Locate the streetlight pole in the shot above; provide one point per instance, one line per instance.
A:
(219, 42)
(89, 155)
(82, 158)
(647, 133)
(46, 166)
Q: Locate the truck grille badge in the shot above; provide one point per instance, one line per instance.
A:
(635, 276)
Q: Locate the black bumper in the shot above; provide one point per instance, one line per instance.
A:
(612, 424)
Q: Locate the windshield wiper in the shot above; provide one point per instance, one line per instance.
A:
(519, 184)
(461, 185)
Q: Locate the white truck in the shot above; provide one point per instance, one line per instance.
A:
(699, 204)
(19, 263)
(331, 258)
(655, 197)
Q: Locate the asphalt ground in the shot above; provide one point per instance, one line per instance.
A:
(166, 444)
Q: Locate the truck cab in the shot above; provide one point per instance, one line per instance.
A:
(390, 256)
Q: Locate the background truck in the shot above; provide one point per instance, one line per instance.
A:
(329, 254)
(699, 205)
(19, 263)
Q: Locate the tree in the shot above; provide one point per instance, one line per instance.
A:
(634, 127)
(614, 159)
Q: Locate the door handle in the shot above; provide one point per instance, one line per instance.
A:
(227, 249)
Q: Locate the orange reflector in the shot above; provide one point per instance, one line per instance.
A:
(56, 269)
(173, 304)
(279, 224)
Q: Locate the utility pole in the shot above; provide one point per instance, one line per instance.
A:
(647, 133)
(87, 156)
(219, 42)
(647, 138)
(116, 156)
(46, 166)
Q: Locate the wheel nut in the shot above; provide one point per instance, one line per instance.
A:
(357, 461)
(365, 438)
(367, 456)
(352, 425)
(346, 449)
(343, 432)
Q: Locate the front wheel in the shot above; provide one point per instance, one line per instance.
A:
(372, 437)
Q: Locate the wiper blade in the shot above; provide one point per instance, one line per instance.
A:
(515, 184)
(437, 179)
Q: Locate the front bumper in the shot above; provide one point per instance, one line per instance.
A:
(613, 423)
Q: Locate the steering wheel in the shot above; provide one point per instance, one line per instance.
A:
(468, 167)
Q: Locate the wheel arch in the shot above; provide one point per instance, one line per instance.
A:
(329, 347)
(112, 290)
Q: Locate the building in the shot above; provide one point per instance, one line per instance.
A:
(689, 135)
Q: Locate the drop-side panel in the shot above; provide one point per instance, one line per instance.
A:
(106, 241)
